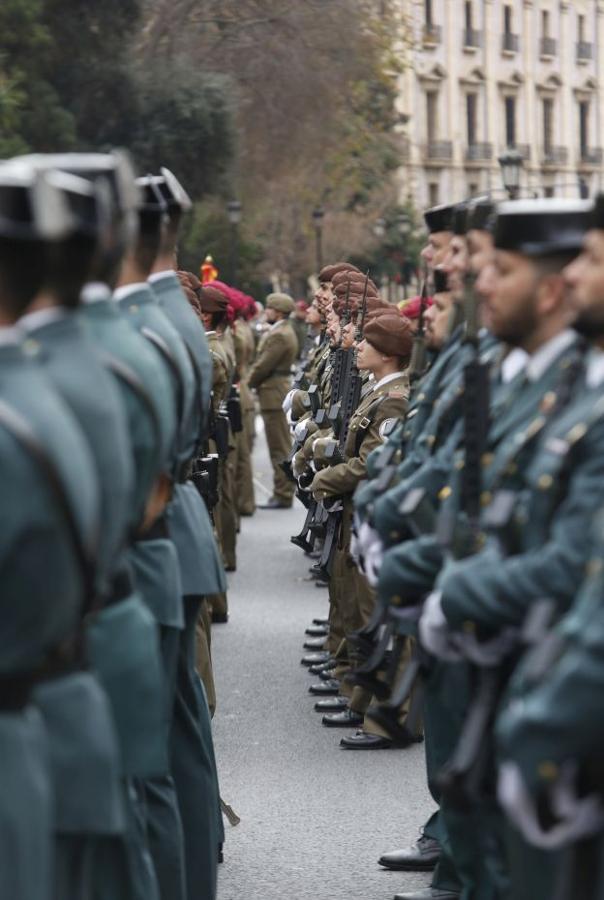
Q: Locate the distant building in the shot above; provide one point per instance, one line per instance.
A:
(483, 75)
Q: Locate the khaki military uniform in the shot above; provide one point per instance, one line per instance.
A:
(220, 384)
(351, 598)
(270, 375)
(244, 476)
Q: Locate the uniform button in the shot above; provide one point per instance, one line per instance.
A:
(430, 440)
(469, 627)
(594, 567)
(394, 535)
(31, 347)
(460, 464)
(547, 770)
(485, 498)
(548, 402)
(487, 459)
(445, 492)
(512, 468)
(545, 482)
(395, 601)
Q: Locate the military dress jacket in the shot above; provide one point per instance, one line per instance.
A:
(556, 497)
(271, 371)
(409, 569)
(368, 428)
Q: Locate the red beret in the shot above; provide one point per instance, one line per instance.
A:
(411, 308)
(391, 335)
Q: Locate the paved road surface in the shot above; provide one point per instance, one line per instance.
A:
(314, 817)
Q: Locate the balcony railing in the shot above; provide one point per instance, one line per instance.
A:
(548, 46)
(472, 38)
(438, 151)
(585, 50)
(479, 152)
(523, 149)
(510, 43)
(591, 156)
(432, 35)
(554, 156)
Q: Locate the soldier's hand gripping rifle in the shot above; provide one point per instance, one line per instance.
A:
(335, 451)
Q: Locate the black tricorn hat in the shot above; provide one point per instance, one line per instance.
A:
(439, 218)
(541, 227)
(481, 215)
(152, 199)
(172, 191)
(459, 224)
(31, 207)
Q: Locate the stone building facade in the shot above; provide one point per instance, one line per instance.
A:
(483, 75)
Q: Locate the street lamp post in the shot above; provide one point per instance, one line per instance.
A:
(511, 163)
(317, 218)
(379, 229)
(234, 214)
(403, 223)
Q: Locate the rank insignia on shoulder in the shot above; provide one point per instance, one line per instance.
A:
(387, 427)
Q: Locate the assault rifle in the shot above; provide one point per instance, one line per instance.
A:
(335, 451)
(417, 364)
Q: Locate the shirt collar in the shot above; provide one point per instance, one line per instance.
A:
(10, 334)
(41, 317)
(156, 276)
(95, 292)
(386, 380)
(595, 367)
(514, 363)
(547, 353)
(126, 290)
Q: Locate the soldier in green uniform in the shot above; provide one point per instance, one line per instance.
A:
(555, 727)
(270, 376)
(45, 458)
(194, 781)
(74, 706)
(535, 318)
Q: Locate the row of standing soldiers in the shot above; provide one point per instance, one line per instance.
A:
(451, 463)
(118, 515)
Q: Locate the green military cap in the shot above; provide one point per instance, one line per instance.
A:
(282, 303)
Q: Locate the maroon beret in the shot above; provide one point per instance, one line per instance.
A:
(327, 273)
(391, 335)
(212, 300)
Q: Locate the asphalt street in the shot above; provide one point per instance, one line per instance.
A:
(314, 817)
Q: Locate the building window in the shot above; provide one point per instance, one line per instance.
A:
(581, 28)
(507, 19)
(584, 127)
(510, 121)
(469, 15)
(428, 13)
(548, 124)
(549, 191)
(473, 189)
(433, 199)
(545, 23)
(471, 118)
(432, 116)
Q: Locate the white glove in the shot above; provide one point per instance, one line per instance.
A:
(289, 399)
(373, 561)
(577, 818)
(434, 632)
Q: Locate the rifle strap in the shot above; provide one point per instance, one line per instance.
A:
(366, 423)
(158, 342)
